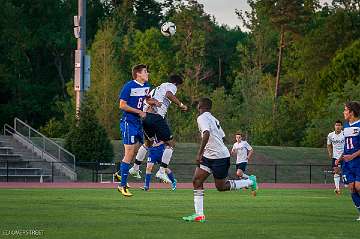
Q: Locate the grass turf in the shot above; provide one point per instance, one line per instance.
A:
(104, 213)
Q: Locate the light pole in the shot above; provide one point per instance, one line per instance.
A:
(82, 61)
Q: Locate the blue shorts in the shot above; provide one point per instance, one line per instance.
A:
(131, 132)
(218, 167)
(241, 166)
(155, 154)
(351, 173)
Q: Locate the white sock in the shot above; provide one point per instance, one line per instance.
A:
(141, 154)
(237, 184)
(167, 155)
(337, 181)
(199, 201)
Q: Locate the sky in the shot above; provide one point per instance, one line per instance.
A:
(224, 10)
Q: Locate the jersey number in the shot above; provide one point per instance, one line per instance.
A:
(140, 103)
(349, 143)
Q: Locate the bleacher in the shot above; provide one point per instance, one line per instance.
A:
(16, 164)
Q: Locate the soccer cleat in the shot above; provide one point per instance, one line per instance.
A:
(194, 218)
(254, 187)
(124, 191)
(173, 185)
(358, 219)
(135, 173)
(144, 188)
(117, 178)
(162, 176)
(337, 192)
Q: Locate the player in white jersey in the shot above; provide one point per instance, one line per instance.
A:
(335, 148)
(243, 152)
(156, 126)
(213, 158)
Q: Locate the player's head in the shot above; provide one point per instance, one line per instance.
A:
(176, 80)
(351, 110)
(239, 136)
(140, 73)
(338, 126)
(204, 105)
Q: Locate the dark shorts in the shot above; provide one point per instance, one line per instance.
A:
(155, 126)
(333, 163)
(218, 167)
(241, 166)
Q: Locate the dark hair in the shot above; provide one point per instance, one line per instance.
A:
(353, 106)
(205, 103)
(338, 122)
(137, 69)
(241, 134)
(175, 79)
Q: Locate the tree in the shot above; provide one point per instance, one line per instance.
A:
(189, 44)
(87, 139)
(106, 79)
(147, 14)
(287, 16)
(36, 55)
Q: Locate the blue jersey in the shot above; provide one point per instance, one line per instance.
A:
(134, 94)
(352, 141)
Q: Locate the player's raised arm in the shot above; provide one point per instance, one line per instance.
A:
(175, 100)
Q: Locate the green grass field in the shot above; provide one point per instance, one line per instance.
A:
(103, 213)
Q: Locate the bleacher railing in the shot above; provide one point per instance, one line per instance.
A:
(46, 145)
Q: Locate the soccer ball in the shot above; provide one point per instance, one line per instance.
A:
(168, 29)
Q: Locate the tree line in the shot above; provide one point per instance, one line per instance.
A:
(283, 81)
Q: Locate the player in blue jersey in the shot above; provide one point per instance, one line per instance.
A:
(351, 155)
(155, 154)
(131, 100)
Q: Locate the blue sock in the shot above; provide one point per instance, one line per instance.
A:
(124, 167)
(356, 199)
(171, 177)
(147, 180)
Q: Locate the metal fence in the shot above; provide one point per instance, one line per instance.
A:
(42, 171)
(45, 144)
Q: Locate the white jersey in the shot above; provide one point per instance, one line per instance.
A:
(159, 93)
(241, 150)
(215, 147)
(338, 142)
